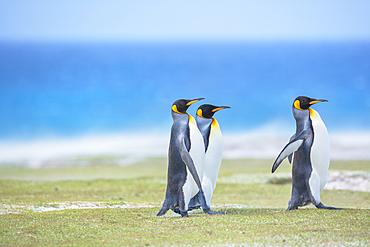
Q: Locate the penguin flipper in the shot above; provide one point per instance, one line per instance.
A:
(185, 156)
(289, 149)
(290, 157)
(190, 164)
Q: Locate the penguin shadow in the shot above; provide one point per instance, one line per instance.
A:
(191, 214)
(312, 208)
(242, 210)
(248, 211)
(195, 213)
(229, 211)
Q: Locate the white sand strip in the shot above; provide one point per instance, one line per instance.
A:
(46, 207)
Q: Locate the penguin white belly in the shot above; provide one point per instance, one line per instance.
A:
(320, 155)
(213, 160)
(197, 154)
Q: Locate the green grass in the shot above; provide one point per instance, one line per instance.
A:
(255, 208)
(140, 227)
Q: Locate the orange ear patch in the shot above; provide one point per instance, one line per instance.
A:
(200, 113)
(297, 105)
(174, 108)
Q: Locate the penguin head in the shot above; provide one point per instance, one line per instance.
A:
(207, 111)
(303, 103)
(180, 106)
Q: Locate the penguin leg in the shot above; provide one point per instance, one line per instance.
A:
(193, 171)
(194, 203)
(322, 206)
(184, 214)
(176, 210)
(162, 211)
(294, 199)
(291, 207)
(205, 207)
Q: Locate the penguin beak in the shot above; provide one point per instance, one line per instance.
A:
(220, 108)
(317, 101)
(193, 101)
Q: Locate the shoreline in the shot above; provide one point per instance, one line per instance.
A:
(263, 143)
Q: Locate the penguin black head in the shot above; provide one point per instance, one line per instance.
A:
(207, 111)
(180, 106)
(303, 102)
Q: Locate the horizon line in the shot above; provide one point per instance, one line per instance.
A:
(187, 40)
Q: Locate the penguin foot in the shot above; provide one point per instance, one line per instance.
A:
(184, 214)
(194, 202)
(193, 207)
(162, 211)
(290, 208)
(322, 206)
(209, 211)
(206, 208)
(176, 210)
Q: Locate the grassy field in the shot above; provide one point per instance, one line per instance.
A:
(125, 199)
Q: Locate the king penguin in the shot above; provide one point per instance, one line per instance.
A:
(311, 148)
(213, 149)
(185, 162)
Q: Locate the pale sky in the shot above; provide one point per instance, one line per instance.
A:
(142, 20)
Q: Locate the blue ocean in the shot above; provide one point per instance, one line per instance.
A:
(63, 90)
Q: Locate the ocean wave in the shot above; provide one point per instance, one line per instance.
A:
(349, 145)
(39, 152)
(265, 142)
